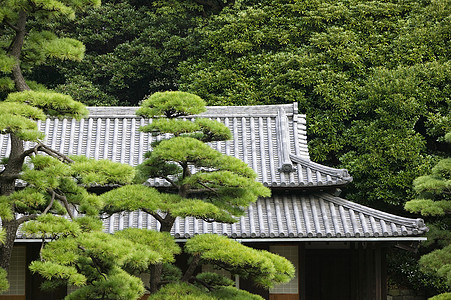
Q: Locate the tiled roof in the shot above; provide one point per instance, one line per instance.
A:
(270, 138)
(319, 215)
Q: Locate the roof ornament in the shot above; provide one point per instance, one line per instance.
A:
(283, 140)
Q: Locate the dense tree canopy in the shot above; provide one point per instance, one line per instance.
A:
(132, 50)
(375, 72)
(373, 81)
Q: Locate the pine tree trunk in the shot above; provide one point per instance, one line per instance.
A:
(6, 249)
(7, 187)
(15, 162)
(16, 51)
(157, 269)
(155, 277)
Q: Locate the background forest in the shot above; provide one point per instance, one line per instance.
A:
(373, 77)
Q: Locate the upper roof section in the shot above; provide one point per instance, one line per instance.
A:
(271, 139)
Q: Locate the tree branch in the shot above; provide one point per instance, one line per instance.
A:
(11, 25)
(46, 149)
(65, 202)
(172, 182)
(94, 261)
(192, 267)
(155, 215)
(9, 177)
(208, 188)
(209, 287)
(50, 204)
(24, 219)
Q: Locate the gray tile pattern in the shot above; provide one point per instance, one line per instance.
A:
(270, 138)
(319, 215)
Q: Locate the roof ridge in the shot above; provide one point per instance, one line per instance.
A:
(216, 111)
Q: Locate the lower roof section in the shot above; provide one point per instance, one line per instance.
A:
(315, 217)
(288, 218)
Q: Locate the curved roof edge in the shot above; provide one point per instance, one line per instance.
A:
(343, 174)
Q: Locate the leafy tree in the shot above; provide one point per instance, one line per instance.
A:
(368, 74)
(205, 184)
(434, 200)
(132, 50)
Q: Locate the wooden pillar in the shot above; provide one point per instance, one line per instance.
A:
(301, 272)
(378, 272)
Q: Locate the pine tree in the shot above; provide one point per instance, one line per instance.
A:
(205, 184)
(52, 182)
(434, 200)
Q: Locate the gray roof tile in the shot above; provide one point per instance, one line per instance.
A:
(270, 138)
(319, 215)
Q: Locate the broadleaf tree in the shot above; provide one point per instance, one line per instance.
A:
(368, 74)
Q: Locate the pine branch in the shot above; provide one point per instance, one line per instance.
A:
(49, 151)
(50, 204)
(208, 188)
(155, 215)
(94, 261)
(65, 202)
(11, 25)
(24, 219)
(172, 182)
(209, 287)
(192, 267)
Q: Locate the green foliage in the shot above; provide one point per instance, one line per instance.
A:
(101, 172)
(51, 226)
(438, 262)
(204, 184)
(181, 291)
(132, 50)
(86, 92)
(404, 271)
(160, 242)
(120, 286)
(39, 43)
(171, 105)
(434, 199)
(214, 280)
(184, 291)
(20, 119)
(367, 74)
(445, 296)
(4, 285)
(229, 292)
(265, 268)
(132, 197)
(53, 104)
(204, 130)
(96, 262)
(187, 150)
